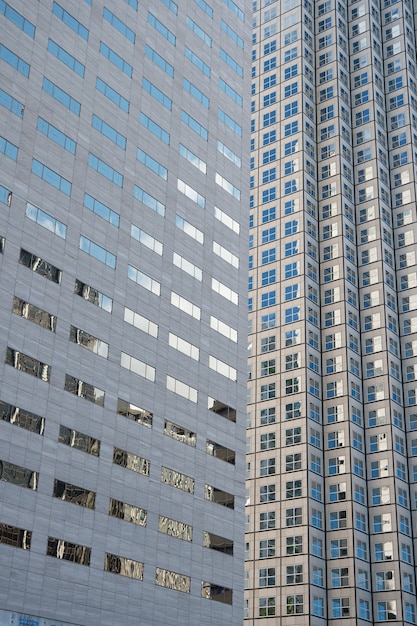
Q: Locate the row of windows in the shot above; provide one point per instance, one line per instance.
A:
(76, 553)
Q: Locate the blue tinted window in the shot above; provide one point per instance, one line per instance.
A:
(108, 131)
(231, 62)
(17, 19)
(8, 149)
(62, 96)
(66, 58)
(199, 31)
(5, 195)
(191, 56)
(133, 4)
(51, 177)
(194, 125)
(160, 61)
(46, 221)
(7, 101)
(229, 122)
(119, 25)
(56, 135)
(151, 202)
(161, 28)
(112, 94)
(70, 21)
(236, 10)
(117, 60)
(232, 34)
(171, 6)
(154, 128)
(12, 59)
(230, 92)
(101, 209)
(152, 164)
(105, 170)
(96, 251)
(194, 91)
(157, 94)
(206, 7)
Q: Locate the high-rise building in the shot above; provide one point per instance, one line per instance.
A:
(332, 464)
(123, 261)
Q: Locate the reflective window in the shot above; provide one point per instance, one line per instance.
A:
(112, 95)
(84, 390)
(109, 132)
(226, 411)
(66, 58)
(97, 252)
(160, 61)
(181, 389)
(179, 433)
(175, 529)
(220, 452)
(93, 295)
(61, 96)
(56, 135)
(218, 593)
(16, 62)
(24, 419)
(172, 580)
(151, 202)
(119, 25)
(51, 177)
(199, 32)
(128, 512)
(16, 18)
(79, 441)
(231, 62)
(131, 461)
(67, 551)
(157, 94)
(199, 63)
(84, 339)
(137, 367)
(34, 314)
(152, 164)
(176, 479)
(17, 475)
(117, 60)
(16, 537)
(161, 28)
(144, 280)
(46, 220)
(10, 103)
(154, 128)
(220, 497)
(215, 542)
(28, 364)
(75, 495)
(123, 566)
(134, 413)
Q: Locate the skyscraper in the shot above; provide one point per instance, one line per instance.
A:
(122, 397)
(332, 467)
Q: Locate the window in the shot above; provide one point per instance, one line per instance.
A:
(267, 520)
(294, 604)
(293, 517)
(266, 607)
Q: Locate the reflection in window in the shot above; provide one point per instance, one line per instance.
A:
(84, 390)
(134, 413)
(131, 461)
(17, 475)
(128, 512)
(220, 497)
(220, 452)
(93, 295)
(24, 419)
(67, 551)
(216, 592)
(215, 542)
(46, 221)
(84, 339)
(28, 364)
(80, 441)
(123, 566)
(16, 537)
(38, 265)
(176, 479)
(137, 367)
(173, 528)
(172, 580)
(74, 494)
(179, 433)
(34, 314)
(216, 406)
